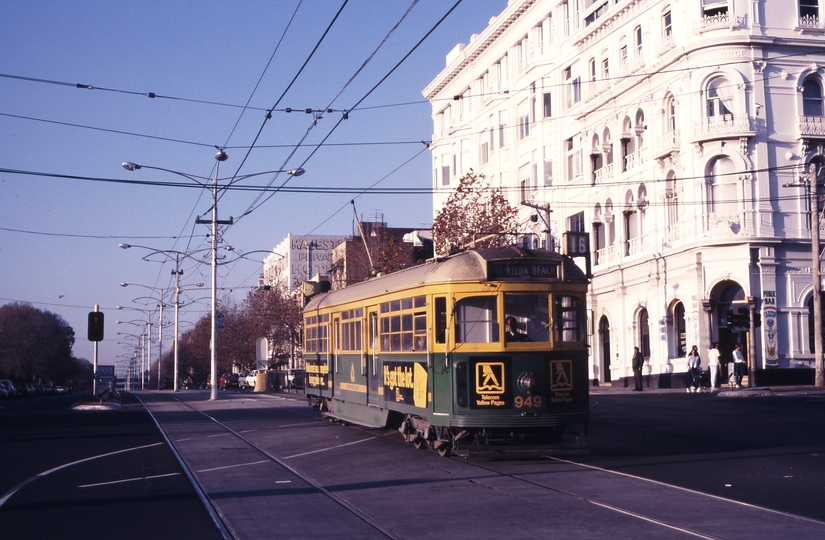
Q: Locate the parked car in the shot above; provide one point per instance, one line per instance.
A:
(8, 387)
(60, 390)
(246, 379)
(228, 380)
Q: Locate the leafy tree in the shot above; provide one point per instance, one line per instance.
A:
(476, 214)
(36, 344)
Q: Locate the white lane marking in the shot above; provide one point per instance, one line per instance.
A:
(234, 466)
(130, 480)
(330, 448)
(688, 490)
(22, 484)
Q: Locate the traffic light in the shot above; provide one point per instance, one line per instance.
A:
(95, 326)
(757, 319)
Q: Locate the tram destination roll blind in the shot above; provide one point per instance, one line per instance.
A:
(522, 270)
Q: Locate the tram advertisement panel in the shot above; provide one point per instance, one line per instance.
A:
(490, 387)
(317, 374)
(406, 382)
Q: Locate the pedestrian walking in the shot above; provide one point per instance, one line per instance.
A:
(738, 365)
(637, 363)
(714, 364)
(694, 374)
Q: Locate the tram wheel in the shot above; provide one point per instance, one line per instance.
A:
(420, 442)
(444, 450)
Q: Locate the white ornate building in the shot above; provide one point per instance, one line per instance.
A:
(672, 132)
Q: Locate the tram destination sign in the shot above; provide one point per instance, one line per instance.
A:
(520, 270)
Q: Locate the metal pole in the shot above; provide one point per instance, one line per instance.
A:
(815, 271)
(177, 305)
(94, 366)
(220, 156)
(160, 339)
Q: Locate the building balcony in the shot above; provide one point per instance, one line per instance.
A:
(666, 144)
(725, 125)
(812, 126)
(721, 21)
(607, 255)
(810, 23)
(605, 174)
(637, 245)
(634, 160)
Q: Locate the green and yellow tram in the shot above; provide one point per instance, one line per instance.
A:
(480, 353)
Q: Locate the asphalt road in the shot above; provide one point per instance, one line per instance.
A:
(662, 465)
(91, 474)
(766, 450)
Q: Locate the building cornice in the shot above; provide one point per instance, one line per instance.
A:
(478, 46)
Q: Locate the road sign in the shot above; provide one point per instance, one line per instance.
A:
(105, 372)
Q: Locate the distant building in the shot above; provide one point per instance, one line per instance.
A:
(298, 258)
(390, 249)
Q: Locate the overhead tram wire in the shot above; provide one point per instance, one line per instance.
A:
(254, 204)
(266, 68)
(268, 115)
(364, 97)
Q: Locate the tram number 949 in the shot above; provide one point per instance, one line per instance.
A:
(527, 402)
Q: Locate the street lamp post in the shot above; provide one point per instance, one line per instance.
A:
(221, 156)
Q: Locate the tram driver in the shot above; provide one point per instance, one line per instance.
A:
(512, 332)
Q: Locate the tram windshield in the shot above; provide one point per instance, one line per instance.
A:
(476, 320)
(532, 315)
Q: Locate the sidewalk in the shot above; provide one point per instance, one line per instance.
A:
(724, 392)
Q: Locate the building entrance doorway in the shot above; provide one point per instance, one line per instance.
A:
(604, 342)
(730, 298)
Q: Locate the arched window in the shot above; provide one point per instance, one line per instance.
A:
(670, 119)
(607, 147)
(671, 199)
(723, 197)
(719, 97)
(610, 224)
(679, 330)
(811, 98)
(644, 334)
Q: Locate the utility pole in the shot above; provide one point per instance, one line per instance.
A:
(815, 271)
(810, 180)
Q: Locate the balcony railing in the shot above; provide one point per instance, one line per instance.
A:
(812, 126)
(606, 255)
(634, 160)
(605, 174)
(667, 143)
(811, 22)
(724, 125)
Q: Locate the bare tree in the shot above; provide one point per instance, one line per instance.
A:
(476, 215)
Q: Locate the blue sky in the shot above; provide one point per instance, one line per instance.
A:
(203, 61)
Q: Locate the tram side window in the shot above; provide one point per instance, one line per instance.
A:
(568, 319)
(351, 328)
(532, 313)
(440, 319)
(401, 327)
(476, 320)
(316, 334)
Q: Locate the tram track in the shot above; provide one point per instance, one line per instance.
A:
(224, 524)
(638, 504)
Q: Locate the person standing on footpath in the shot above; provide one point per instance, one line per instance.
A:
(738, 365)
(637, 363)
(714, 364)
(694, 374)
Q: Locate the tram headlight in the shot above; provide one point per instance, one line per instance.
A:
(528, 383)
